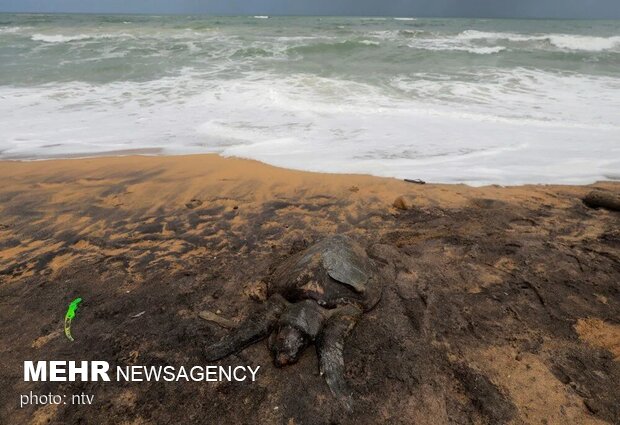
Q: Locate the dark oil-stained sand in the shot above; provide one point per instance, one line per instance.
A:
(500, 305)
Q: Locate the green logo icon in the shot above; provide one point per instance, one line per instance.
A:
(70, 315)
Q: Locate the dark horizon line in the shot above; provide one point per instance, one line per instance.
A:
(199, 14)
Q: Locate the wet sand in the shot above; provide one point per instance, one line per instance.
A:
(500, 305)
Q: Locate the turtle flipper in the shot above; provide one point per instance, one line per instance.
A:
(256, 327)
(330, 349)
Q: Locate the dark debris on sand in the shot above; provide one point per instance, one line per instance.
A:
(476, 324)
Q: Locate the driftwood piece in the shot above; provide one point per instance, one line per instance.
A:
(216, 318)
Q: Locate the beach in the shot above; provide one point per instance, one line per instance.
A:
(500, 304)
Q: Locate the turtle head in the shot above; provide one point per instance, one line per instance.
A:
(287, 345)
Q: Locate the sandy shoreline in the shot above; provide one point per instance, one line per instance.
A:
(500, 305)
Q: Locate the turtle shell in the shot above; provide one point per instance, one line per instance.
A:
(346, 262)
(333, 272)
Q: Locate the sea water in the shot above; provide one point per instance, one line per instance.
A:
(444, 100)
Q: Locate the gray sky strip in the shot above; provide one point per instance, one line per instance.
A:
(577, 9)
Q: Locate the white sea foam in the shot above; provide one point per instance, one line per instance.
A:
(404, 19)
(483, 35)
(561, 41)
(485, 50)
(10, 30)
(587, 43)
(442, 46)
(425, 40)
(503, 127)
(522, 95)
(59, 38)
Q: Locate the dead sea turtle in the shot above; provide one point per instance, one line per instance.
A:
(316, 295)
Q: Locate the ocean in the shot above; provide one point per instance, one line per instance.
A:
(444, 100)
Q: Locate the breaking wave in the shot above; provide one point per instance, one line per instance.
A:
(478, 50)
(9, 30)
(561, 41)
(59, 38)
